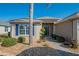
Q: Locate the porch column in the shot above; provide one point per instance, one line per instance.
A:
(54, 29)
(50, 29)
(75, 30)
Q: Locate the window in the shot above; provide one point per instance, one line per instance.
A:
(22, 29)
(6, 28)
(27, 29)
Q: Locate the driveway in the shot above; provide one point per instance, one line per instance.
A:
(45, 51)
(56, 50)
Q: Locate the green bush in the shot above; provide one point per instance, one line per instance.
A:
(9, 42)
(58, 38)
(4, 36)
(43, 31)
(54, 36)
(1, 39)
(21, 39)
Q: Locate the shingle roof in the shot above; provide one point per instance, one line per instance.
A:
(24, 20)
(4, 23)
(37, 20)
(48, 19)
(70, 17)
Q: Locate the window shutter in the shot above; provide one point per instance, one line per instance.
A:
(16, 29)
(33, 29)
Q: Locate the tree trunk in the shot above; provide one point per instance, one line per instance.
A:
(31, 23)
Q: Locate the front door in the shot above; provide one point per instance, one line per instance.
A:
(48, 28)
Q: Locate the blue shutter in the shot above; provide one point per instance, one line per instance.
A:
(16, 29)
(33, 29)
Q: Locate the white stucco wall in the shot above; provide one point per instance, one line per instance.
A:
(2, 30)
(37, 31)
(37, 28)
(64, 29)
(13, 31)
(77, 21)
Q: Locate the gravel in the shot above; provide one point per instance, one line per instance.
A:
(45, 51)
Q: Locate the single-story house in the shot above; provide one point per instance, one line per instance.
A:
(67, 27)
(4, 27)
(20, 27)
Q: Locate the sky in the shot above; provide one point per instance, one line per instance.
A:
(10, 11)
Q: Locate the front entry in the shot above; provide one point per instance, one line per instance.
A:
(48, 28)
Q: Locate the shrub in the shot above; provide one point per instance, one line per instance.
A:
(74, 44)
(4, 36)
(58, 38)
(21, 39)
(9, 42)
(54, 36)
(9, 35)
(1, 39)
(43, 31)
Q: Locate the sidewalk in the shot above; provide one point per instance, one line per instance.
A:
(58, 46)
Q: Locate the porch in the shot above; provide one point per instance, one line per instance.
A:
(49, 28)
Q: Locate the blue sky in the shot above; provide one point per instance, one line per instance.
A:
(9, 11)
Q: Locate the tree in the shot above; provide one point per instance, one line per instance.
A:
(31, 23)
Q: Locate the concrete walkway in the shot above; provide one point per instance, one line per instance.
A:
(53, 49)
(59, 46)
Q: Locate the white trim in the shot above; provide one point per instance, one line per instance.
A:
(19, 30)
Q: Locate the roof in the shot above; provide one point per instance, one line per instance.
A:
(70, 17)
(37, 20)
(24, 20)
(48, 19)
(4, 23)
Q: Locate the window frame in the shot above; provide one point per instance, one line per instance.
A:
(6, 28)
(25, 29)
(21, 29)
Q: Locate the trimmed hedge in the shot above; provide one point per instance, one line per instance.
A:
(21, 39)
(8, 42)
(58, 38)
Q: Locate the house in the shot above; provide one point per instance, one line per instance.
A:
(20, 27)
(4, 27)
(67, 27)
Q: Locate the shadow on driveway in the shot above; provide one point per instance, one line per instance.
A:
(45, 51)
